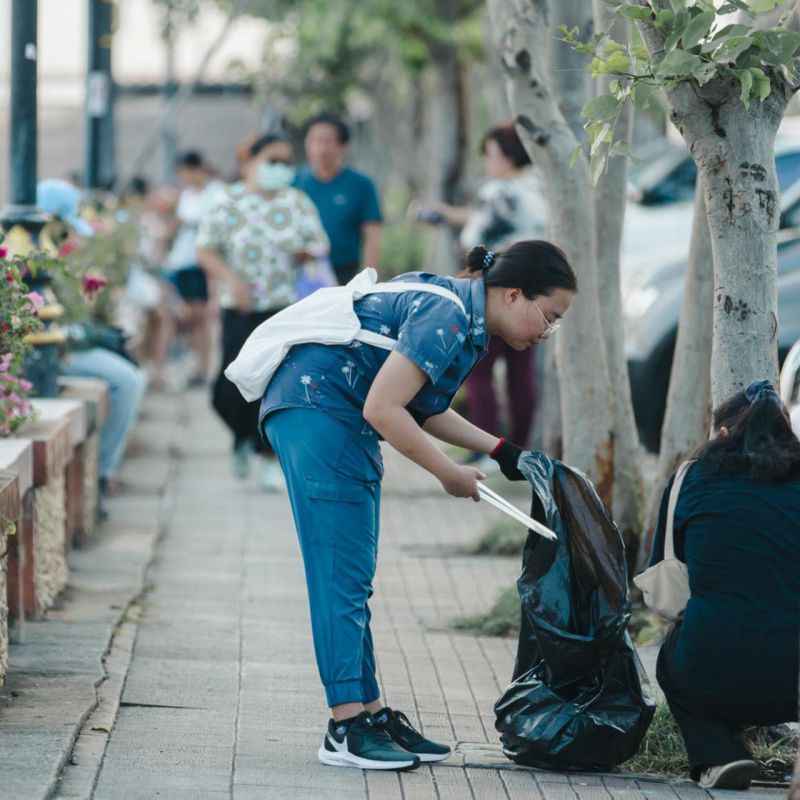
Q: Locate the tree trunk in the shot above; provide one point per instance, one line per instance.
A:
(686, 419)
(733, 148)
(445, 145)
(609, 197)
(522, 31)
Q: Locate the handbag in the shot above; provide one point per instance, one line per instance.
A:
(665, 585)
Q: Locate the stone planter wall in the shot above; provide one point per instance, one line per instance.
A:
(9, 516)
(51, 532)
(91, 495)
(94, 395)
(16, 459)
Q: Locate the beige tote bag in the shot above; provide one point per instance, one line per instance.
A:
(665, 585)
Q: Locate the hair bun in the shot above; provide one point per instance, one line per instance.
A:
(480, 259)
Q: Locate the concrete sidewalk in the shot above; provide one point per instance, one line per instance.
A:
(222, 697)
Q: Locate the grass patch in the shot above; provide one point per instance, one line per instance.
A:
(502, 620)
(663, 752)
(504, 538)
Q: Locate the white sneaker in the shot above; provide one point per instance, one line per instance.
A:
(736, 775)
(241, 460)
(270, 476)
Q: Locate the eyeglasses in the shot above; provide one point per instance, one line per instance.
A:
(285, 162)
(551, 328)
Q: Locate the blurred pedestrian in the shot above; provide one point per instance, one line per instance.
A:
(254, 243)
(733, 659)
(199, 191)
(347, 200)
(89, 354)
(158, 298)
(510, 206)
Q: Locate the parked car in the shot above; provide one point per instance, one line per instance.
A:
(790, 385)
(652, 299)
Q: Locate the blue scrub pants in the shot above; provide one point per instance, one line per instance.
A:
(334, 488)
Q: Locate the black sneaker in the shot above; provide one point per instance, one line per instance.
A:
(363, 744)
(396, 724)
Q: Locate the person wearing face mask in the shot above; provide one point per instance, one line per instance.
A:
(254, 243)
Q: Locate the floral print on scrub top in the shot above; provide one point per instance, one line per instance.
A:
(256, 236)
(432, 331)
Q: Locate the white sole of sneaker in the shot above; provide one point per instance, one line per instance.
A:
(332, 759)
(428, 758)
(736, 775)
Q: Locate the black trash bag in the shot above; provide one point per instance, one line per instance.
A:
(580, 699)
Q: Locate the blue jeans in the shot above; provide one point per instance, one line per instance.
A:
(126, 384)
(334, 489)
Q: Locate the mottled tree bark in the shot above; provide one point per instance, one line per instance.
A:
(522, 30)
(610, 195)
(686, 420)
(733, 147)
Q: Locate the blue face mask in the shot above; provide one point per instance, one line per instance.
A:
(273, 177)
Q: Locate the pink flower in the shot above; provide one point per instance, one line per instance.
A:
(26, 385)
(35, 301)
(3, 252)
(93, 283)
(5, 362)
(66, 249)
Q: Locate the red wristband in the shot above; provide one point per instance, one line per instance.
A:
(499, 445)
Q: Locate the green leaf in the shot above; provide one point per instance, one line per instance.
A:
(575, 155)
(602, 137)
(597, 163)
(731, 6)
(663, 18)
(722, 35)
(620, 148)
(601, 108)
(636, 13)
(732, 48)
(745, 77)
(761, 84)
(760, 6)
(697, 29)
(678, 64)
(704, 73)
(679, 26)
(618, 62)
(642, 93)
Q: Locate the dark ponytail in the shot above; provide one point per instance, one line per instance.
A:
(535, 267)
(761, 442)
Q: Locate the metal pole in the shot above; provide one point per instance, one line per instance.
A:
(23, 125)
(169, 131)
(99, 90)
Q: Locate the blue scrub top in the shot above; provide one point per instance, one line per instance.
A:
(432, 331)
(344, 204)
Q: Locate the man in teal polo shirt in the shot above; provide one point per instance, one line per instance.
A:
(346, 199)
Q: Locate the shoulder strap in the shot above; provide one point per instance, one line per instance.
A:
(669, 537)
(403, 286)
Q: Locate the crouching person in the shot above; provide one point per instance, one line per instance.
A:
(732, 661)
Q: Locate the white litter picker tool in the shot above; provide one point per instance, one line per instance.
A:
(512, 511)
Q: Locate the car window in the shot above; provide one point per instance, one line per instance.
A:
(791, 217)
(678, 185)
(788, 168)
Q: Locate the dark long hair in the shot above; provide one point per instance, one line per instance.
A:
(761, 442)
(507, 139)
(533, 266)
